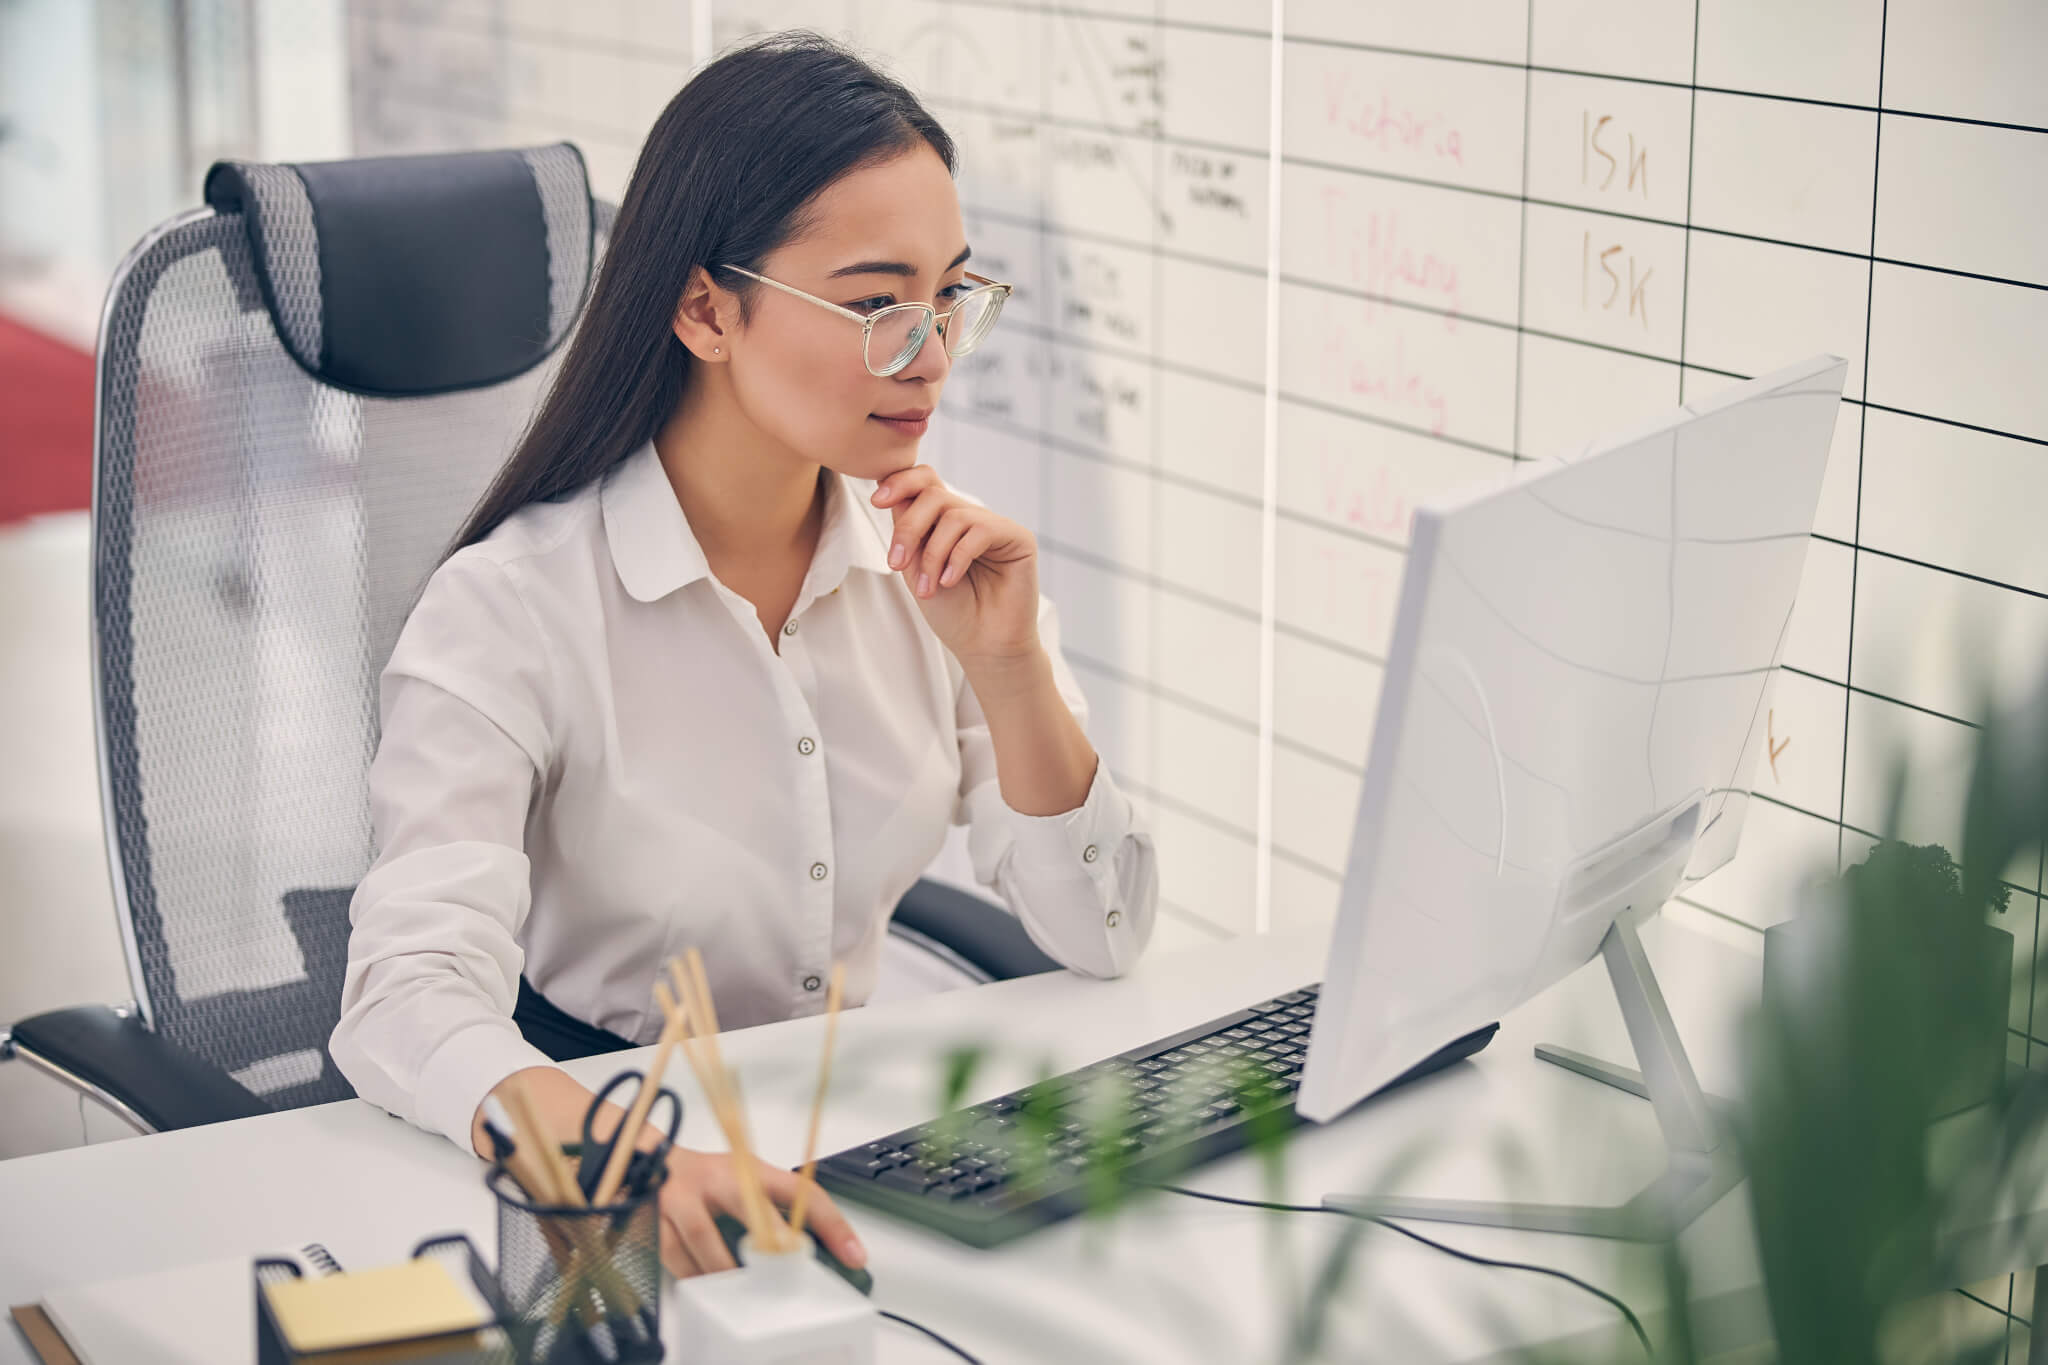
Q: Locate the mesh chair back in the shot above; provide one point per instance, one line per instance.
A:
(259, 534)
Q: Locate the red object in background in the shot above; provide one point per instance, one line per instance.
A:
(45, 424)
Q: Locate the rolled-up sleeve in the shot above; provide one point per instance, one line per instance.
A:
(1084, 883)
(434, 961)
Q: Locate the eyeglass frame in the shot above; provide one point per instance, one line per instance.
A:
(868, 320)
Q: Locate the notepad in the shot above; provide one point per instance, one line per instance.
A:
(418, 1298)
(192, 1315)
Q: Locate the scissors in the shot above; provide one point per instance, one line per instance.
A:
(642, 1168)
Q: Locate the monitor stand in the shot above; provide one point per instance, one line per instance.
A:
(1703, 1165)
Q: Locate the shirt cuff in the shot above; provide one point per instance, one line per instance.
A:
(464, 1069)
(1085, 838)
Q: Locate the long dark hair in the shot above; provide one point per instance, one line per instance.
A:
(723, 179)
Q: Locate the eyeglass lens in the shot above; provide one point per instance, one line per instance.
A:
(896, 337)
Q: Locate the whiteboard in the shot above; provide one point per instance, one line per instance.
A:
(1495, 230)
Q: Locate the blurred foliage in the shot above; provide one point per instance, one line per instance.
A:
(1876, 1115)
(1878, 1124)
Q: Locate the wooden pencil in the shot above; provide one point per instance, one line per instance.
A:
(764, 1225)
(531, 1135)
(628, 1139)
(808, 1178)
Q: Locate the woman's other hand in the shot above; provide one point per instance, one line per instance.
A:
(972, 571)
(701, 1185)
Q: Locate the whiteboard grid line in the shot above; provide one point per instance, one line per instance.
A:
(1522, 236)
(1222, 715)
(1196, 595)
(1861, 691)
(1114, 17)
(1778, 97)
(1194, 372)
(1873, 550)
(627, 49)
(1222, 825)
(1562, 205)
(1862, 440)
(1269, 476)
(1157, 452)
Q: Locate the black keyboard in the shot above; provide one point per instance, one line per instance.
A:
(997, 1170)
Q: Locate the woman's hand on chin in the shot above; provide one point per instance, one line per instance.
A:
(973, 572)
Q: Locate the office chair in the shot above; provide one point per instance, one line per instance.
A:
(303, 387)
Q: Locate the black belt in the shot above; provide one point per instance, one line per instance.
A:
(561, 1035)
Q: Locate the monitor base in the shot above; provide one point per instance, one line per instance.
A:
(1703, 1165)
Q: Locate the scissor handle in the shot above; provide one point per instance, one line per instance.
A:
(675, 1116)
(596, 1156)
(597, 1103)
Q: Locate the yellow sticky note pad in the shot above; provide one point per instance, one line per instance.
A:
(415, 1298)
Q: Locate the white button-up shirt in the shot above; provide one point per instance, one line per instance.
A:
(593, 758)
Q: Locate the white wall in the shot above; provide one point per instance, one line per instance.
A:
(301, 64)
(52, 219)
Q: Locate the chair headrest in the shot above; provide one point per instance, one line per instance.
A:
(410, 275)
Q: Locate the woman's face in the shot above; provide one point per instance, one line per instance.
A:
(889, 233)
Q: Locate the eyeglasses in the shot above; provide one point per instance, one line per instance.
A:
(892, 336)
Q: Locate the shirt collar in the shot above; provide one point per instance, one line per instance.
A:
(656, 553)
(851, 537)
(652, 545)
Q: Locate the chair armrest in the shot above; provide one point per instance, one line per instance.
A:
(980, 931)
(117, 1058)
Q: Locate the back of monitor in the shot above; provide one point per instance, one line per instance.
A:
(1574, 700)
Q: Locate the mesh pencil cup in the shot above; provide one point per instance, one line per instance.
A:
(584, 1282)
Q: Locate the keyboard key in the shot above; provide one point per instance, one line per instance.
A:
(1295, 997)
(909, 1179)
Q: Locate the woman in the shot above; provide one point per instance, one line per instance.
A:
(716, 661)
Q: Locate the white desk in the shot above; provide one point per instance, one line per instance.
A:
(1170, 1279)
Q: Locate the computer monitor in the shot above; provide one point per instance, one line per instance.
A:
(1573, 704)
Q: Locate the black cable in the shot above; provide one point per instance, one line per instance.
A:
(1635, 1325)
(918, 1326)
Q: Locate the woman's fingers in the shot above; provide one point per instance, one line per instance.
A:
(704, 1185)
(953, 524)
(914, 521)
(700, 1237)
(821, 1215)
(675, 1255)
(904, 484)
(965, 551)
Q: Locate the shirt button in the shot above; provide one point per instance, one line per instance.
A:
(1113, 918)
(789, 628)
(817, 872)
(811, 983)
(806, 746)
(1090, 854)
